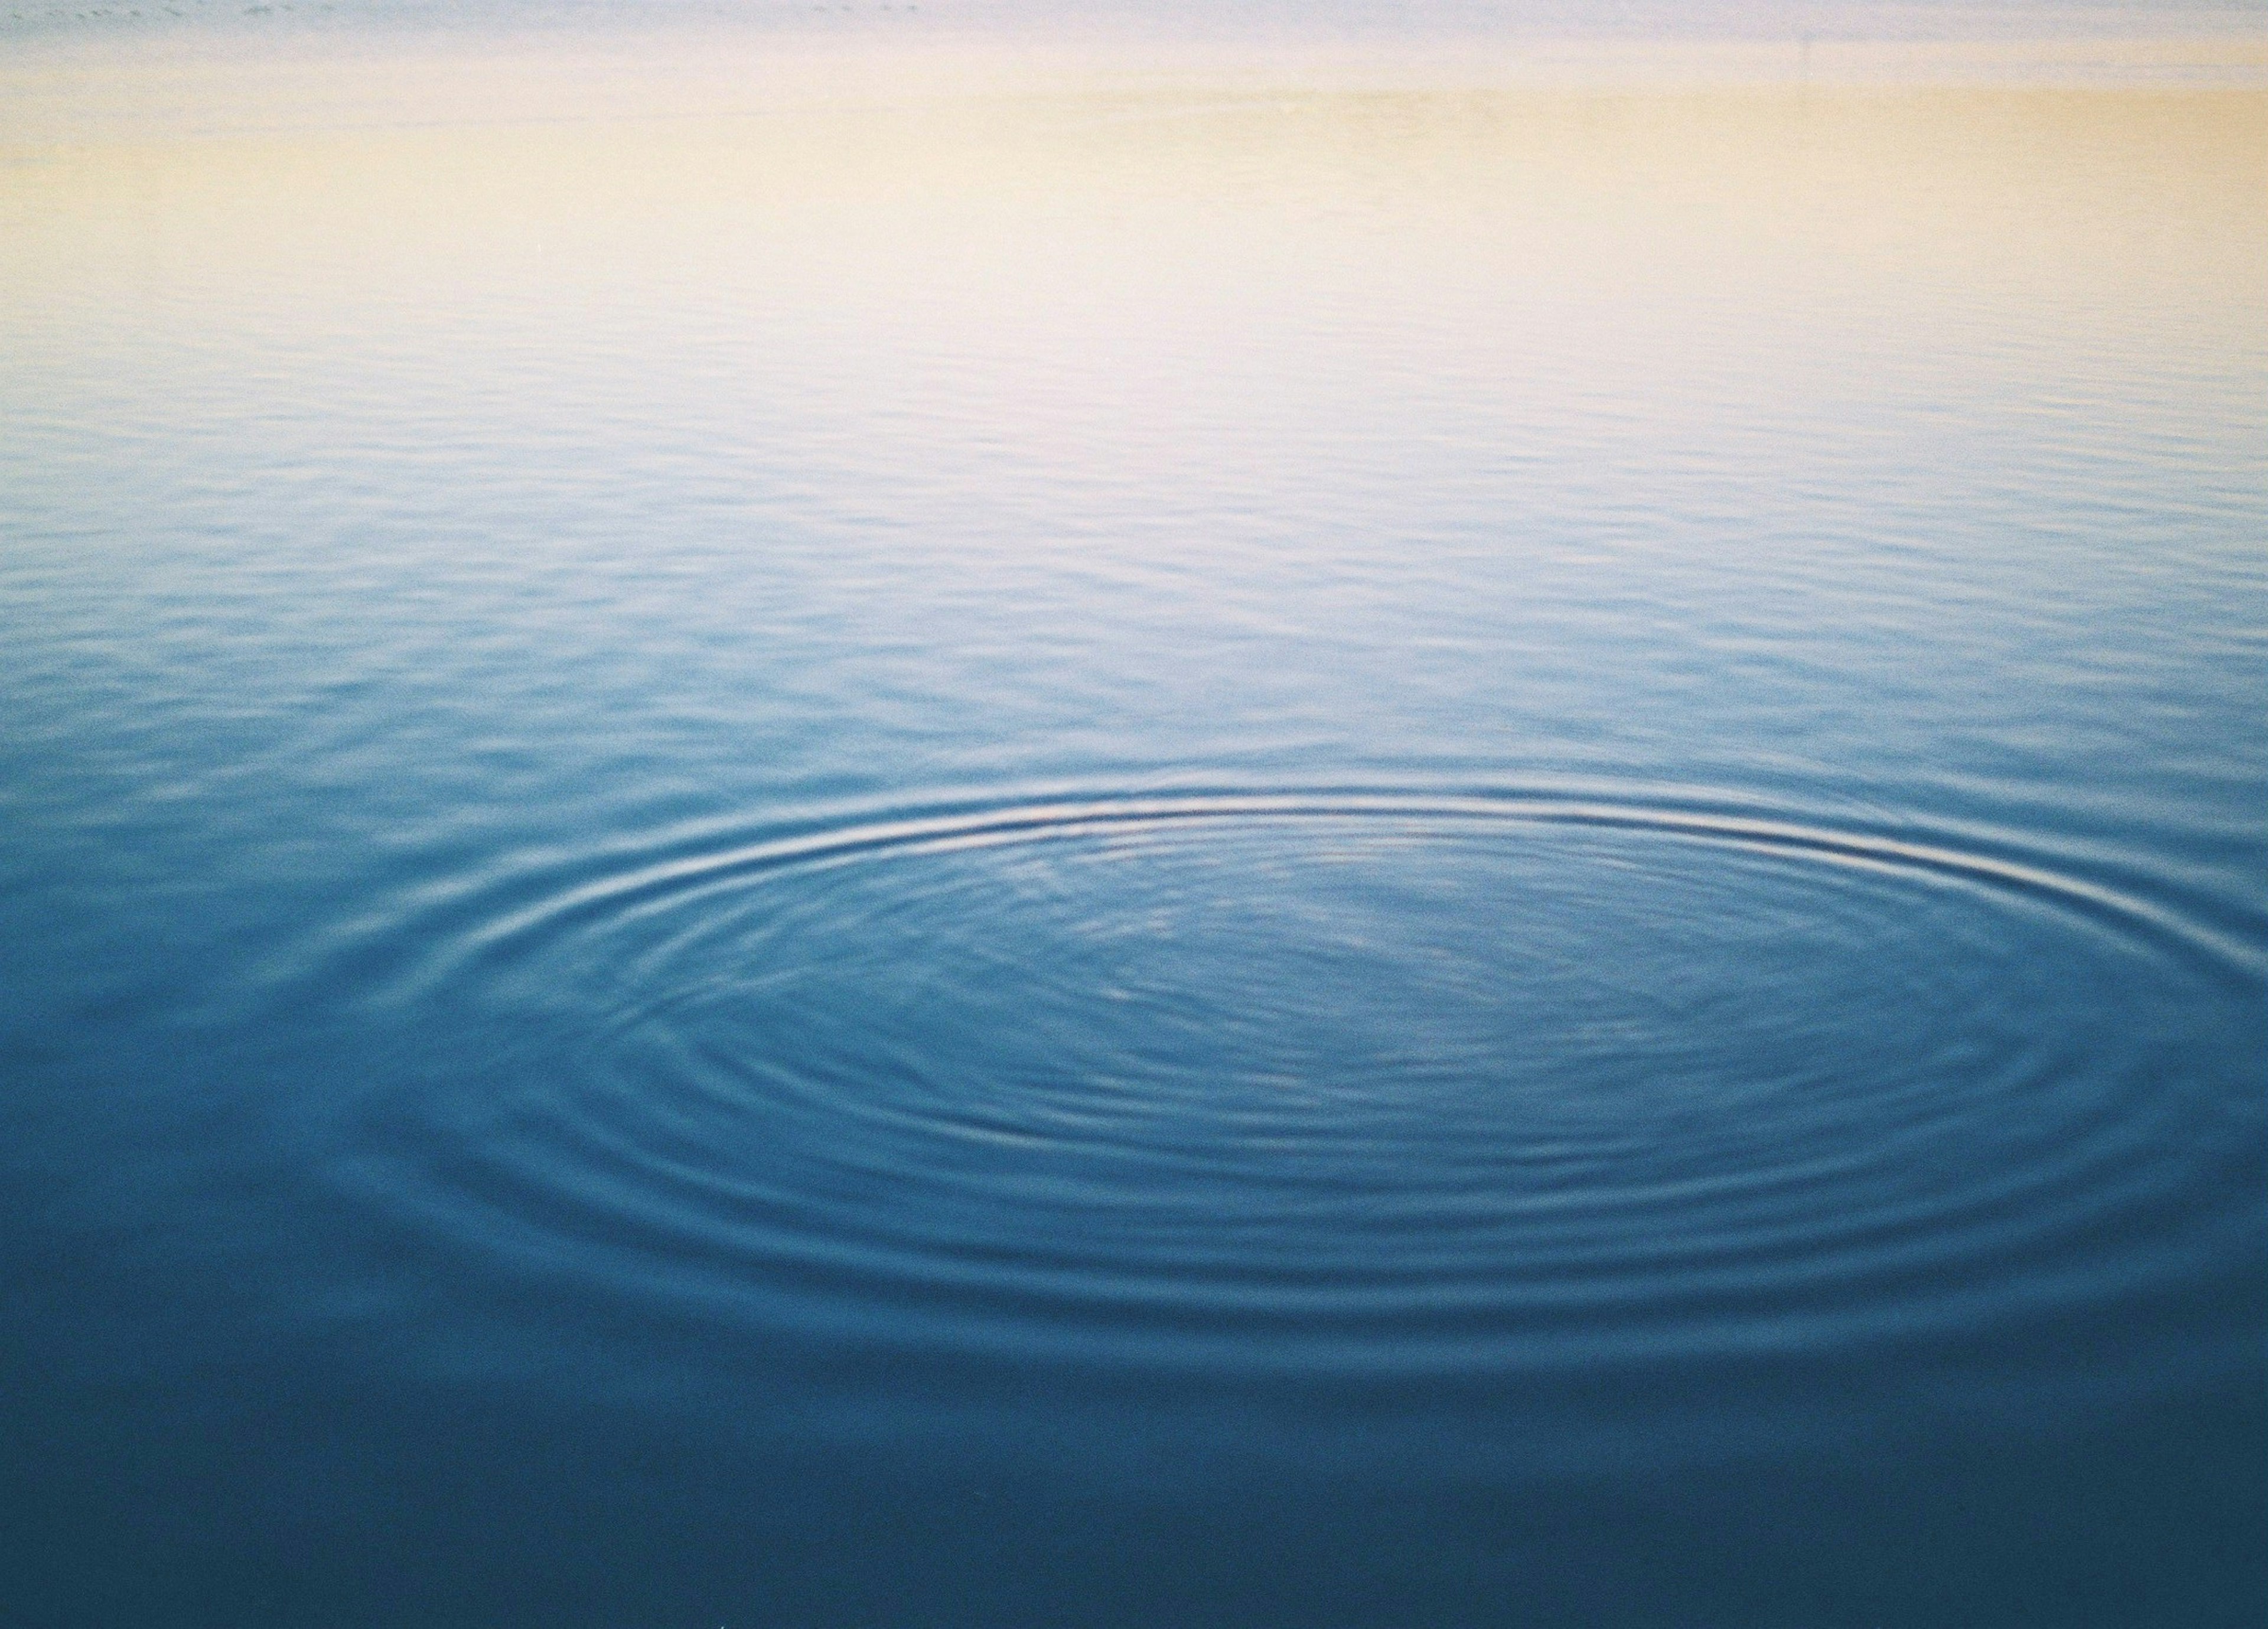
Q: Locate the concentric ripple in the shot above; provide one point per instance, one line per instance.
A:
(1383, 1085)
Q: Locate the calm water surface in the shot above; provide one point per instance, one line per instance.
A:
(907, 823)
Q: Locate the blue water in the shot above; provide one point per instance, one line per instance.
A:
(946, 825)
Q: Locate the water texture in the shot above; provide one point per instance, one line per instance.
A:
(971, 820)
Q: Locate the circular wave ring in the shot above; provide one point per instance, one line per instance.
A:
(1371, 1082)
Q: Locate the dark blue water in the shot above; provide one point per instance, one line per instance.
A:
(886, 829)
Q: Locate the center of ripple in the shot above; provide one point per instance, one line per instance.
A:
(1288, 1029)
